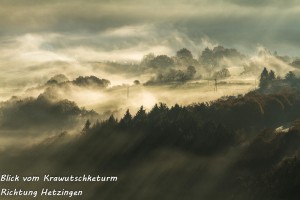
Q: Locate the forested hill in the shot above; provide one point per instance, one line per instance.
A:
(275, 104)
(243, 147)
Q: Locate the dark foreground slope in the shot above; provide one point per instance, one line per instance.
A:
(242, 147)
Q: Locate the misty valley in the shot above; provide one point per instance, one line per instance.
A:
(219, 125)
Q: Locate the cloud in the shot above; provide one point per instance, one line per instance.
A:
(39, 39)
(115, 25)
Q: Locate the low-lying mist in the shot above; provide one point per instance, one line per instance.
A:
(42, 97)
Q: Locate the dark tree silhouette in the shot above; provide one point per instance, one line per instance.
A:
(207, 58)
(190, 72)
(91, 81)
(223, 73)
(272, 75)
(112, 121)
(161, 61)
(147, 60)
(87, 126)
(140, 117)
(264, 79)
(126, 120)
(184, 54)
(290, 76)
(136, 82)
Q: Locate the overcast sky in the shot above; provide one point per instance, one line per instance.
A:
(45, 30)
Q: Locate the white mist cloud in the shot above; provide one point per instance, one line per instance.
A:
(265, 59)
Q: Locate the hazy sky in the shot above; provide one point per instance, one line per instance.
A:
(119, 29)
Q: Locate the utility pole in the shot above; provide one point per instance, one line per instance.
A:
(216, 85)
